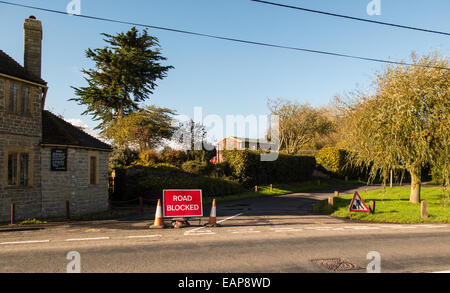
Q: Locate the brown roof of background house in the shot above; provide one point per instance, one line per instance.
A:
(57, 131)
(9, 66)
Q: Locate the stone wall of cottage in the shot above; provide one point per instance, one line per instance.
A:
(20, 133)
(28, 125)
(73, 184)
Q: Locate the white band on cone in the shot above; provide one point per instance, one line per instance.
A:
(213, 212)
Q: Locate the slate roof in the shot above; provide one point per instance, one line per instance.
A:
(57, 131)
(11, 67)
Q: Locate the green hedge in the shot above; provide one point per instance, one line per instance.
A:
(149, 182)
(246, 166)
(335, 162)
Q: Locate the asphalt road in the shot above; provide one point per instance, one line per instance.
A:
(279, 234)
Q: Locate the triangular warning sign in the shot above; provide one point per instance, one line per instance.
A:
(358, 205)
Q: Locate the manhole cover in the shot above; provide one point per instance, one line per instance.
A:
(336, 264)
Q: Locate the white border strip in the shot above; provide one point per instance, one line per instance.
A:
(143, 236)
(88, 239)
(25, 242)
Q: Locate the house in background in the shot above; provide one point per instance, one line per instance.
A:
(239, 143)
(44, 160)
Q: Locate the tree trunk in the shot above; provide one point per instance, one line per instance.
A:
(390, 179)
(415, 186)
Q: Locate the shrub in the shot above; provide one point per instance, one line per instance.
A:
(336, 162)
(165, 165)
(121, 157)
(195, 167)
(148, 157)
(332, 159)
(176, 157)
(246, 166)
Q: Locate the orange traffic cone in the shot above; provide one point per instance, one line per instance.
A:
(212, 217)
(159, 221)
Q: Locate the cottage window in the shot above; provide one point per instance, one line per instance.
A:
(13, 93)
(18, 169)
(25, 101)
(92, 170)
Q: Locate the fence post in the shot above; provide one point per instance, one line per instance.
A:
(141, 205)
(330, 202)
(13, 213)
(372, 207)
(424, 209)
(256, 188)
(270, 187)
(336, 194)
(68, 209)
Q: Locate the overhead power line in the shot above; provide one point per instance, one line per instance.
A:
(220, 37)
(352, 17)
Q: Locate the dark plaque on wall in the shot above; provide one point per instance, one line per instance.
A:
(59, 160)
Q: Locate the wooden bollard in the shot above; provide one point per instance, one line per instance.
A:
(330, 202)
(256, 188)
(141, 204)
(270, 187)
(336, 194)
(13, 213)
(372, 207)
(424, 209)
(67, 209)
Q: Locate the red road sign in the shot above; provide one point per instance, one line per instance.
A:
(182, 203)
(358, 205)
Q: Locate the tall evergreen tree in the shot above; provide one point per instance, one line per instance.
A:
(125, 74)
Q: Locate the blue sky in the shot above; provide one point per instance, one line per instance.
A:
(227, 78)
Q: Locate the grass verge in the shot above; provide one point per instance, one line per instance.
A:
(392, 206)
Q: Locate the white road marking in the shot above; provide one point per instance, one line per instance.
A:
(143, 236)
(221, 221)
(88, 239)
(442, 272)
(25, 242)
(229, 218)
(318, 228)
(398, 227)
(288, 230)
(245, 231)
(432, 226)
(362, 227)
(202, 233)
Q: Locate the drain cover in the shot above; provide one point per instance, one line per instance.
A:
(336, 264)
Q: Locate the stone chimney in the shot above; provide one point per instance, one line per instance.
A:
(33, 46)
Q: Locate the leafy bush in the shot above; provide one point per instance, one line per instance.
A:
(332, 159)
(148, 157)
(176, 157)
(200, 155)
(149, 182)
(336, 162)
(195, 167)
(165, 165)
(121, 157)
(246, 166)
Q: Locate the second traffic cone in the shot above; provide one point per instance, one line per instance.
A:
(212, 217)
(159, 221)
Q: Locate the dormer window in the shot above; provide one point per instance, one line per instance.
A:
(19, 101)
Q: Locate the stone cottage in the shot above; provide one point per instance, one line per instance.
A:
(44, 160)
